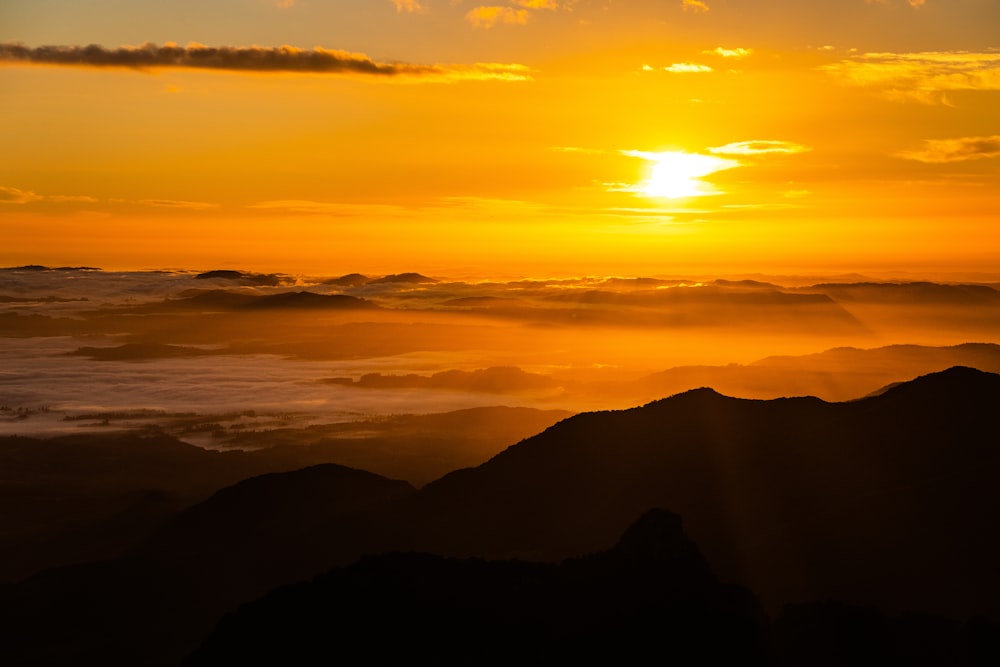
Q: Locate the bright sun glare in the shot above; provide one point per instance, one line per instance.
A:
(676, 174)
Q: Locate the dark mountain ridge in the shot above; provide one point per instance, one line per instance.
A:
(836, 374)
(651, 594)
(227, 300)
(796, 498)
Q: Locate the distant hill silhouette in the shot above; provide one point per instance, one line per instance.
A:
(140, 351)
(495, 379)
(837, 374)
(415, 278)
(480, 302)
(909, 292)
(245, 277)
(304, 299)
(227, 300)
(349, 280)
(714, 305)
(39, 267)
(211, 298)
(746, 283)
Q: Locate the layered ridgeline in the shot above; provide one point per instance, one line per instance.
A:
(890, 501)
(650, 599)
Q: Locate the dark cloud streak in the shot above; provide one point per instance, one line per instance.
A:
(196, 56)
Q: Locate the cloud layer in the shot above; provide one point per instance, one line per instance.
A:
(956, 150)
(924, 77)
(9, 195)
(758, 147)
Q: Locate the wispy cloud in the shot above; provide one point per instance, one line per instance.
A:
(252, 59)
(17, 196)
(492, 207)
(10, 195)
(912, 3)
(177, 203)
(306, 206)
(487, 17)
(687, 68)
(488, 71)
(759, 147)
(408, 6)
(578, 149)
(924, 77)
(72, 199)
(537, 4)
(696, 6)
(937, 151)
(738, 52)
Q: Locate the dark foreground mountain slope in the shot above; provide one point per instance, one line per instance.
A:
(94, 495)
(650, 598)
(156, 603)
(889, 501)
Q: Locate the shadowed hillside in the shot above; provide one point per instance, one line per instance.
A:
(92, 496)
(651, 595)
(157, 602)
(888, 500)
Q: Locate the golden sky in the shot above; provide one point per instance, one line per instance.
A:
(524, 137)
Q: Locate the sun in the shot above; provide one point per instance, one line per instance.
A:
(677, 174)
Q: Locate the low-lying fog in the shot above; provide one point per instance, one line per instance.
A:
(226, 352)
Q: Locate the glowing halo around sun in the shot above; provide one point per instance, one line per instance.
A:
(677, 174)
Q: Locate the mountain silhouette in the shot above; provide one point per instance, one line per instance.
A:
(650, 595)
(349, 280)
(140, 351)
(495, 379)
(245, 277)
(160, 600)
(227, 300)
(285, 520)
(414, 278)
(910, 292)
(888, 502)
(837, 374)
(304, 299)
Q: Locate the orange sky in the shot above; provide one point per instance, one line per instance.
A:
(525, 137)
